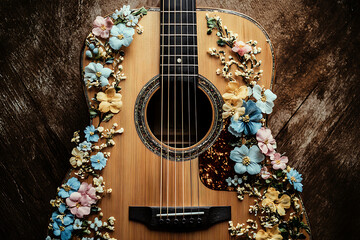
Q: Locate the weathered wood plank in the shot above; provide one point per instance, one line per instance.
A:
(315, 119)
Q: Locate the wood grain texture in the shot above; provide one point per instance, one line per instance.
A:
(315, 118)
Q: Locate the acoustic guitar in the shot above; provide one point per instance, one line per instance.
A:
(178, 100)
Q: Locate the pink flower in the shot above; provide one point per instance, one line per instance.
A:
(278, 161)
(241, 48)
(80, 202)
(264, 173)
(265, 141)
(102, 27)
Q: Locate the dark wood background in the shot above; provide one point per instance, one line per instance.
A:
(316, 118)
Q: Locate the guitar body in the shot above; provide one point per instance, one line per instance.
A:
(138, 175)
(134, 171)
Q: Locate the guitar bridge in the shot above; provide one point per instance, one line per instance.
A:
(180, 219)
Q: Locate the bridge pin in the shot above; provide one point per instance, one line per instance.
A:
(161, 221)
(168, 221)
(176, 221)
(199, 220)
(191, 220)
(183, 221)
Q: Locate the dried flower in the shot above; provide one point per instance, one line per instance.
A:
(109, 101)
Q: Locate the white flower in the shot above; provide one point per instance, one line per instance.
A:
(264, 100)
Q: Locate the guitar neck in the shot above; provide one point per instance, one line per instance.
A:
(178, 41)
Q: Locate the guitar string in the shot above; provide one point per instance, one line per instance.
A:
(168, 123)
(175, 83)
(189, 111)
(162, 111)
(195, 102)
(182, 109)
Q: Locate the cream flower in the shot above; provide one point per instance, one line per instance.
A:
(235, 92)
(233, 110)
(270, 234)
(110, 101)
(77, 158)
(274, 203)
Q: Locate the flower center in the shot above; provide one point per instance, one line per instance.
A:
(246, 118)
(84, 146)
(246, 161)
(277, 161)
(98, 74)
(98, 160)
(78, 205)
(91, 133)
(62, 228)
(263, 98)
(293, 179)
(103, 27)
(120, 36)
(266, 141)
(67, 188)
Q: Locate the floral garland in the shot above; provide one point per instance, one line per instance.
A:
(264, 172)
(78, 197)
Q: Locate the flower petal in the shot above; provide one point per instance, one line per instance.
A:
(253, 168)
(239, 168)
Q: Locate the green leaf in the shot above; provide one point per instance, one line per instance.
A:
(108, 117)
(93, 113)
(141, 11)
(221, 43)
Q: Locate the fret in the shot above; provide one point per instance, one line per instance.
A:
(178, 5)
(178, 18)
(177, 24)
(178, 40)
(178, 29)
(176, 50)
(179, 75)
(165, 45)
(176, 34)
(180, 70)
(178, 64)
(165, 59)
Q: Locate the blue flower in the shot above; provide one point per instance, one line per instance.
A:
(295, 179)
(77, 224)
(68, 188)
(90, 134)
(62, 208)
(249, 123)
(84, 146)
(229, 181)
(64, 231)
(236, 180)
(86, 238)
(247, 160)
(132, 21)
(96, 224)
(121, 35)
(98, 161)
(264, 101)
(62, 225)
(96, 72)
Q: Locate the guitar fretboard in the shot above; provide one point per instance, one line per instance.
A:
(178, 42)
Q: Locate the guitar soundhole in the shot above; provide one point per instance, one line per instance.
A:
(181, 121)
(180, 140)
